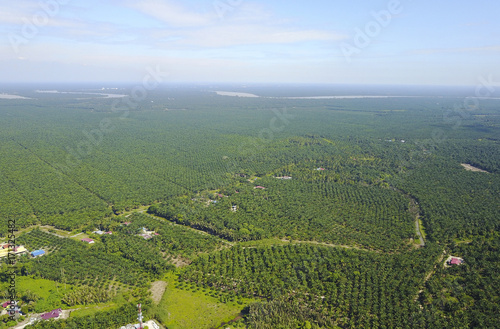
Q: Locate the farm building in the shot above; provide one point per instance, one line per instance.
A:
(11, 308)
(89, 241)
(98, 232)
(284, 177)
(17, 250)
(320, 168)
(51, 315)
(455, 261)
(261, 187)
(37, 253)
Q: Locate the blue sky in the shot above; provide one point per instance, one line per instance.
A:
(412, 42)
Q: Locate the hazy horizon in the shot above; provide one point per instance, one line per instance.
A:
(392, 42)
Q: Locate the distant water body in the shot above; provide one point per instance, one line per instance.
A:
(235, 94)
(239, 94)
(9, 96)
(80, 93)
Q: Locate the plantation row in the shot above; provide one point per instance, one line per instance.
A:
(172, 240)
(37, 239)
(57, 168)
(73, 174)
(455, 203)
(467, 293)
(135, 249)
(328, 212)
(77, 263)
(361, 289)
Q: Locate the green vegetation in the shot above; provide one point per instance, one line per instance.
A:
(172, 240)
(42, 295)
(98, 265)
(277, 213)
(188, 306)
(468, 293)
(104, 319)
(319, 210)
(343, 282)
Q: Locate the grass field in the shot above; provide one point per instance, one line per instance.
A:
(41, 287)
(49, 292)
(182, 309)
(90, 310)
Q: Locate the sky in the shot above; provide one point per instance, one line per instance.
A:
(401, 42)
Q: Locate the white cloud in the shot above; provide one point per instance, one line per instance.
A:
(249, 24)
(27, 12)
(224, 36)
(171, 13)
(486, 49)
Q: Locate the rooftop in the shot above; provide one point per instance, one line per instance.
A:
(52, 314)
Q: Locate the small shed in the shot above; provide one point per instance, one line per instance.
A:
(37, 253)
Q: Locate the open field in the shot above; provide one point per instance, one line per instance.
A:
(194, 308)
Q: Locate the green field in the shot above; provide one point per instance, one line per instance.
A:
(185, 308)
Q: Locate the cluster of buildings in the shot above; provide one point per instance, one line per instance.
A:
(147, 234)
(11, 308)
(6, 249)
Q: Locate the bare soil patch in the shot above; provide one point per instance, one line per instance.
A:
(157, 290)
(472, 168)
(180, 262)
